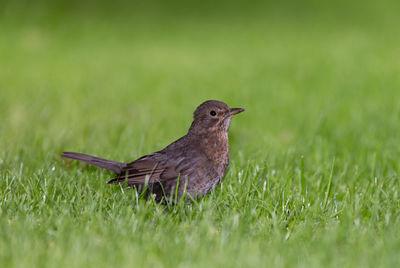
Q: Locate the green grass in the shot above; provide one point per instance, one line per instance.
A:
(315, 159)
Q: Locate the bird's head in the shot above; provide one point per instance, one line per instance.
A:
(212, 116)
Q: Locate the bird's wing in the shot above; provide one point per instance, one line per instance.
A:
(154, 168)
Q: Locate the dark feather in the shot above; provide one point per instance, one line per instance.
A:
(145, 168)
(95, 161)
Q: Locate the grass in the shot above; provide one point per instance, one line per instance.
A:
(314, 172)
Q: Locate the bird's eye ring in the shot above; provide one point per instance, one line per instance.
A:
(213, 113)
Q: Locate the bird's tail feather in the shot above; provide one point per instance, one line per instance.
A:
(95, 161)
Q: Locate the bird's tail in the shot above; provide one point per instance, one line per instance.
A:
(95, 161)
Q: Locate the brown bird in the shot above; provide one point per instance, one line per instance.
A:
(194, 164)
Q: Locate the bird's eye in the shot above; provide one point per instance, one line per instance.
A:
(213, 113)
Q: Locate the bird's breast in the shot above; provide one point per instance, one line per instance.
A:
(216, 148)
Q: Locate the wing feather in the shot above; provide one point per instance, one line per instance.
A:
(149, 168)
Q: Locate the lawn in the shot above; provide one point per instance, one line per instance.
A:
(313, 179)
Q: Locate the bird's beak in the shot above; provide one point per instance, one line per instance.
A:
(234, 111)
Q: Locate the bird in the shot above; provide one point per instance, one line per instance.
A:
(191, 166)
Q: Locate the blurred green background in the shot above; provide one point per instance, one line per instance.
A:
(321, 87)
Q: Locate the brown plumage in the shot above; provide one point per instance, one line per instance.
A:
(198, 160)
